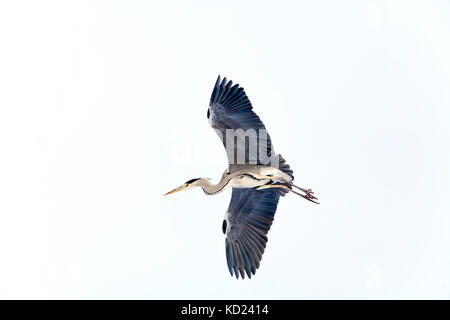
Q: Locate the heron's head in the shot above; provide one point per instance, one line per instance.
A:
(186, 186)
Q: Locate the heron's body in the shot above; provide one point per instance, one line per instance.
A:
(249, 176)
(248, 180)
(257, 175)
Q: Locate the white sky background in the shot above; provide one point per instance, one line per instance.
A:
(103, 109)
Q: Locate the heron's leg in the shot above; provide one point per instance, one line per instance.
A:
(308, 192)
(308, 196)
(304, 190)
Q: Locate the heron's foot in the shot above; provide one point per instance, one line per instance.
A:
(309, 194)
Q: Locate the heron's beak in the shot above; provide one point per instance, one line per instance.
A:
(175, 190)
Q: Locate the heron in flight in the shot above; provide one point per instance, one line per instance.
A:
(257, 175)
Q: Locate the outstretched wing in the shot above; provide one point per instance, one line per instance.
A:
(230, 108)
(248, 220)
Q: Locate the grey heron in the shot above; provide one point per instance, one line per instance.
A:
(257, 175)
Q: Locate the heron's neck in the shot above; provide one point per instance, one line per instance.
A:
(210, 188)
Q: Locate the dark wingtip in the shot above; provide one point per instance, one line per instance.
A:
(224, 226)
(236, 272)
(233, 98)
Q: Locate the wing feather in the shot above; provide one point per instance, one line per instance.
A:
(250, 215)
(230, 108)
